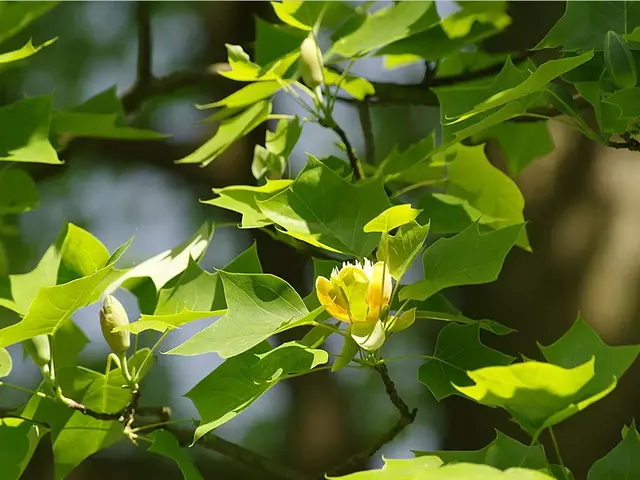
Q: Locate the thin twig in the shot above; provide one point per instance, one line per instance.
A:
(214, 443)
(407, 417)
(358, 173)
(629, 143)
(364, 112)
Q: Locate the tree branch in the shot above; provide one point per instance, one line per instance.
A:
(364, 112)
(407, 417)
(145, 60)
(329, 122)
(629, 143)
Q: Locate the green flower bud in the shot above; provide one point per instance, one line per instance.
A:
(311, 63)
(39, 349)
(112, 315)
(619, 61)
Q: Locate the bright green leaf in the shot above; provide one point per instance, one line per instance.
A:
(403, 248)
(326, 211)
(247, 95)
(581, 343)
(243, 199)
(5, 363)
(242, 69)
(240, 380)
(358, 87)
(164, 443)
(469, 258)
(404, 321)
(230, 130)
(458, 350)
(24, 52)
(503, 452)
(67, 343)
(621, 463)
(391, 218)
(18, 191)
(24, 131)
(386, 26)
(15, 16)
(260, 305)
(537, 395)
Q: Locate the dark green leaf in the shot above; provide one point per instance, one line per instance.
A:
(457, 351)
(164, 443)
(18, 191)
(522, 142)
(621, 463)
(19, 439)
(468, 258)
(15, 16)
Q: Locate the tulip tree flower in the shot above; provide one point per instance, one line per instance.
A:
(358, 294)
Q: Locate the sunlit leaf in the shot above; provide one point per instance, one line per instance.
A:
(458, 350)
(260, 305)
(358, 87)
(164, 443)
(392, 218)
(471, 258)
(242, 69)
(23, 52)
(240, 380)
(230, 130)
(247, 95)
(403, 248)
(5, 363)
(24, 131)
(326, 211)
(537, 395)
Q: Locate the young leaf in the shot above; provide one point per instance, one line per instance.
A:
(537, 395)
(243, 199)
(230, 130)
(391, 218)
(240, 380)
(52, 306)
(404, 321)
(458, 350)
(469, 258)
(349, 350)
(260, 305)
(358, 87)
(503, 452)
(24, 131)
(581, 343)
(164, 443)
(327, 211)
(24, 52)
(622, 462)
(368, 335)
(247, 95)
(403, 248)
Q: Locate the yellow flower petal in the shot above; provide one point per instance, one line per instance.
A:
(379, 291)
(330, 299)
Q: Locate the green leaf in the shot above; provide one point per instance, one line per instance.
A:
(627, 101)
(240, 380)
(403, 248)
(483, 192)
(53, 305)
(101, 116)
(358, 87)
(458, 350)
(67, 343)
(432, 468)
(581, 343)
(260, 305)
(386, 26)
(164, 443)
(24, 131)
(274, 42)
(522, 142)
(24, 52)
(247, 95)
(537, 395)
(416, 164)
(623, 462)
(19, 439)
(242, 69)
(503, 452)
(18, 192)
(349, 350)
(272, 159)
(404, 321)
(536, 81)
(456, 317)
(469, 258)
(15, 16)
(243, 199)
(391, 218)
(460, 23)
(584, 25)
(230, 130)
(5, 363)
(324, 210)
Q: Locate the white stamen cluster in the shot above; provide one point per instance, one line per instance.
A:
(366, 267)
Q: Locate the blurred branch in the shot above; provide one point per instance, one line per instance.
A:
(629, 143)
(145, 59)
(407, 416)
(364, 112)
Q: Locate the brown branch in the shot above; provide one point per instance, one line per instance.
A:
(145, 48)
(407, 417)
(629, 143)
(237, 452)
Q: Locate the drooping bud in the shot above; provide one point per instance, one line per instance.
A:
(112, 315)
(311, 62)
(39, 349)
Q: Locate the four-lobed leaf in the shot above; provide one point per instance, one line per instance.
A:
(458, 350)
(239, 381)
(469, 258)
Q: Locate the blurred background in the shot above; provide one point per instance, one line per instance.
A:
(581, 203)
